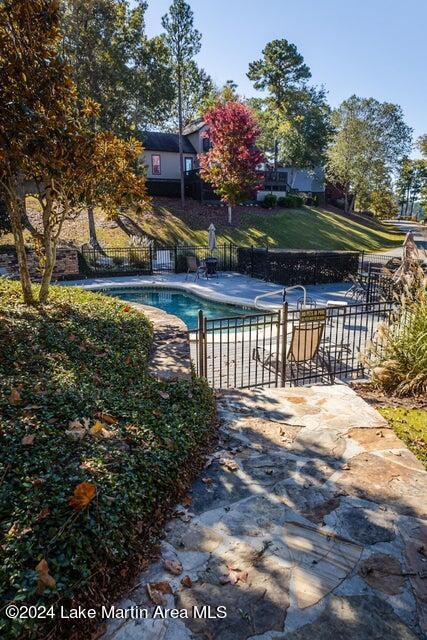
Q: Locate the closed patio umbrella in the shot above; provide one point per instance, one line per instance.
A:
(212, 237)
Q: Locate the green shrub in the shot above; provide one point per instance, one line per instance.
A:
(291, 201)
(398, 357)
(81, 356)
(269, 201)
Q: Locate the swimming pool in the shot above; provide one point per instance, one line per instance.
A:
(179, 303)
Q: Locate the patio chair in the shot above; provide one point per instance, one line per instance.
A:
(211, 265)
(194, 266)
(304, 353)
(358, 290)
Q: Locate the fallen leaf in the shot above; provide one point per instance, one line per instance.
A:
(14, 397)
(163, 586)
(187, 500)
(155, 596)
(83, 494)
(37, 482)
(44, 578)
(107, 418)
(127, 308)
(128, 359)
(97, 428)
(164, 394)
(43, 514)
(207, 480)
(229, 464)
(186, 582)
(28, 439)
(173, 566)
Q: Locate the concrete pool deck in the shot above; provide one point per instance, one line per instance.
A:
(229, 288)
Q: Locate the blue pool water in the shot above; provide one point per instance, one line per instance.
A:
(183, 305)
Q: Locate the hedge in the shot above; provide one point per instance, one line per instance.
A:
(92, 449)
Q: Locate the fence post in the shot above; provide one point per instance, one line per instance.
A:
(200, 356)
(360, 264)
(252, 260)
(175, 257)
(369, 291)
(151, 258)
(315, 267)
(229, 256)
(283, 345)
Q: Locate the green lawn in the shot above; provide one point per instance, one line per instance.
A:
(311, 228)
(305, 228)
(410, 425)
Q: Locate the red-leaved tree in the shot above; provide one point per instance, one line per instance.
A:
(231, 162)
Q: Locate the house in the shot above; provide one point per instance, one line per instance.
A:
(161, 157)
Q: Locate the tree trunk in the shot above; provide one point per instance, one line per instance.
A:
(16, 207)
(93, 240)
(230, 215)
(346, 200)
(180, 145)
(50, 257)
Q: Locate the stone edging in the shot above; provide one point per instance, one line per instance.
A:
(170, 355)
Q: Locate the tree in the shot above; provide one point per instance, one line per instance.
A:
(114, 63)
(411, 183)
(183, 41)
(283, 74)
(231, 162)
(46, 140)
(370, 140)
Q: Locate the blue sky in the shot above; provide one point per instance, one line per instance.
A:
(367, 47)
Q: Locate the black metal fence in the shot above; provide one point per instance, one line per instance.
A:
(153, 259)
(290, 267)
(287, 347)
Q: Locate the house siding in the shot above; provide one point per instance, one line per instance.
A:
(169, 164)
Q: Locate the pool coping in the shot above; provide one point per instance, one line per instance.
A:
(187, 287)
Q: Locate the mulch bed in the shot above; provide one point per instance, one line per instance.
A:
(375, 398)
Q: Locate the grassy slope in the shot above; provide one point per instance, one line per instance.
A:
(307, 228)
(410, 426)
(82, 354)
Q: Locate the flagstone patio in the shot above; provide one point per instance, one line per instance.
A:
(309, 521)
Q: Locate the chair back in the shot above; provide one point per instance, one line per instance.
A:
(305, 341)
(211, 264)
(192, 263)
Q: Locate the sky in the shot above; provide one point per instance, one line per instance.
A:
(365, 47)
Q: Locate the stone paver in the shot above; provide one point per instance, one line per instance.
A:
(307, 522)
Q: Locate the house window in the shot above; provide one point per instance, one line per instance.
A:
(206, 144)
(156, 167)
(188, 164)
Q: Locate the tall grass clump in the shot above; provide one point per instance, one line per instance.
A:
(398, 357)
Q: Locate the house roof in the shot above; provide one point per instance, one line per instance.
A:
(193, 126)
(157, 141)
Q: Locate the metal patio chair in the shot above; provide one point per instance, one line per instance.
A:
(194, 266)
(305, 355)
(358, 290)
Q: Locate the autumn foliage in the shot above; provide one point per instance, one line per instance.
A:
(48, 140)
(230, 165)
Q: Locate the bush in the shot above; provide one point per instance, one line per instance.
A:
(398, 359)
(77, 405)
(269, 201)
(290, 201)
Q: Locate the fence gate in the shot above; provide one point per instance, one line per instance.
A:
(286, 347)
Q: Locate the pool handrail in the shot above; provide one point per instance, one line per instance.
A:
(283, 292)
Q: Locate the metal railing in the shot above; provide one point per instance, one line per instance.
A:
(154, 258)
(286, 347)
